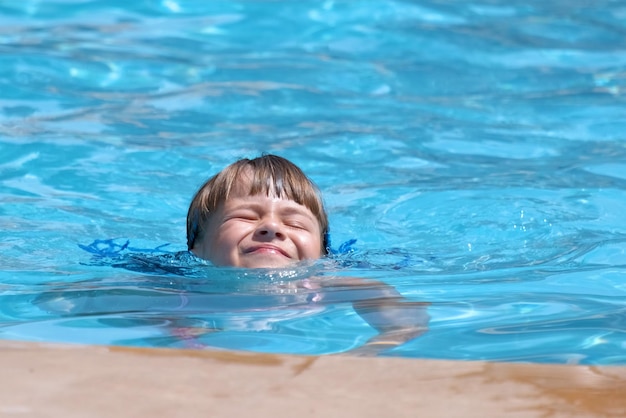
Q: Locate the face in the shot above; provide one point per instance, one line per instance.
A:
(260, 232)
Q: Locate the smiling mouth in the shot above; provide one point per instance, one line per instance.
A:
(267, 249)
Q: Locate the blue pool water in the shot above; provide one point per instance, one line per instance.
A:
(475, 149)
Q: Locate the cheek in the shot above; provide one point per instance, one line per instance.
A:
(222, 250)
(311, 247)
(228, 236)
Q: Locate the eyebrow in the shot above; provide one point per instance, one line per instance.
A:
(288, 210)
(297, 211)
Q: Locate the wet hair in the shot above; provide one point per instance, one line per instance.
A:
(270, 175)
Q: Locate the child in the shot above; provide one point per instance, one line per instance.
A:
(258, 213)
(266, 213)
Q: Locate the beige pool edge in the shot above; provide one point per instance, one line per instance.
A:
(50, 380)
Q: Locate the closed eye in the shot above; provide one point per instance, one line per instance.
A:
(298, 224)
(243, 215)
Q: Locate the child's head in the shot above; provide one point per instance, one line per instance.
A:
(263, 212)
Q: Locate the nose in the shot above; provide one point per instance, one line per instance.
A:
(269, 229)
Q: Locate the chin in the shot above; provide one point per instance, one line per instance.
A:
(265, 259)
(265, 263)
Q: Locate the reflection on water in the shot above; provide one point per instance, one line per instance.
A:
(473, 149)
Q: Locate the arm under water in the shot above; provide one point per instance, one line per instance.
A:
(395, 318)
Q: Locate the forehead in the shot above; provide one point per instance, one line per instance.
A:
(288, 186)
(250, 182)
(263, 202)
(242, 193)
(247, 192)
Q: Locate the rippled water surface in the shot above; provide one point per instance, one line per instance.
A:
(475, 150)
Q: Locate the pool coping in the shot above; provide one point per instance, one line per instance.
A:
(62, 380)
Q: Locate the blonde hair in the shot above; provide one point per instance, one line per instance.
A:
(270, 175)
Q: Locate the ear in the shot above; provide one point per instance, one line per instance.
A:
(326, 243)
(199, 248)
(193, 231)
